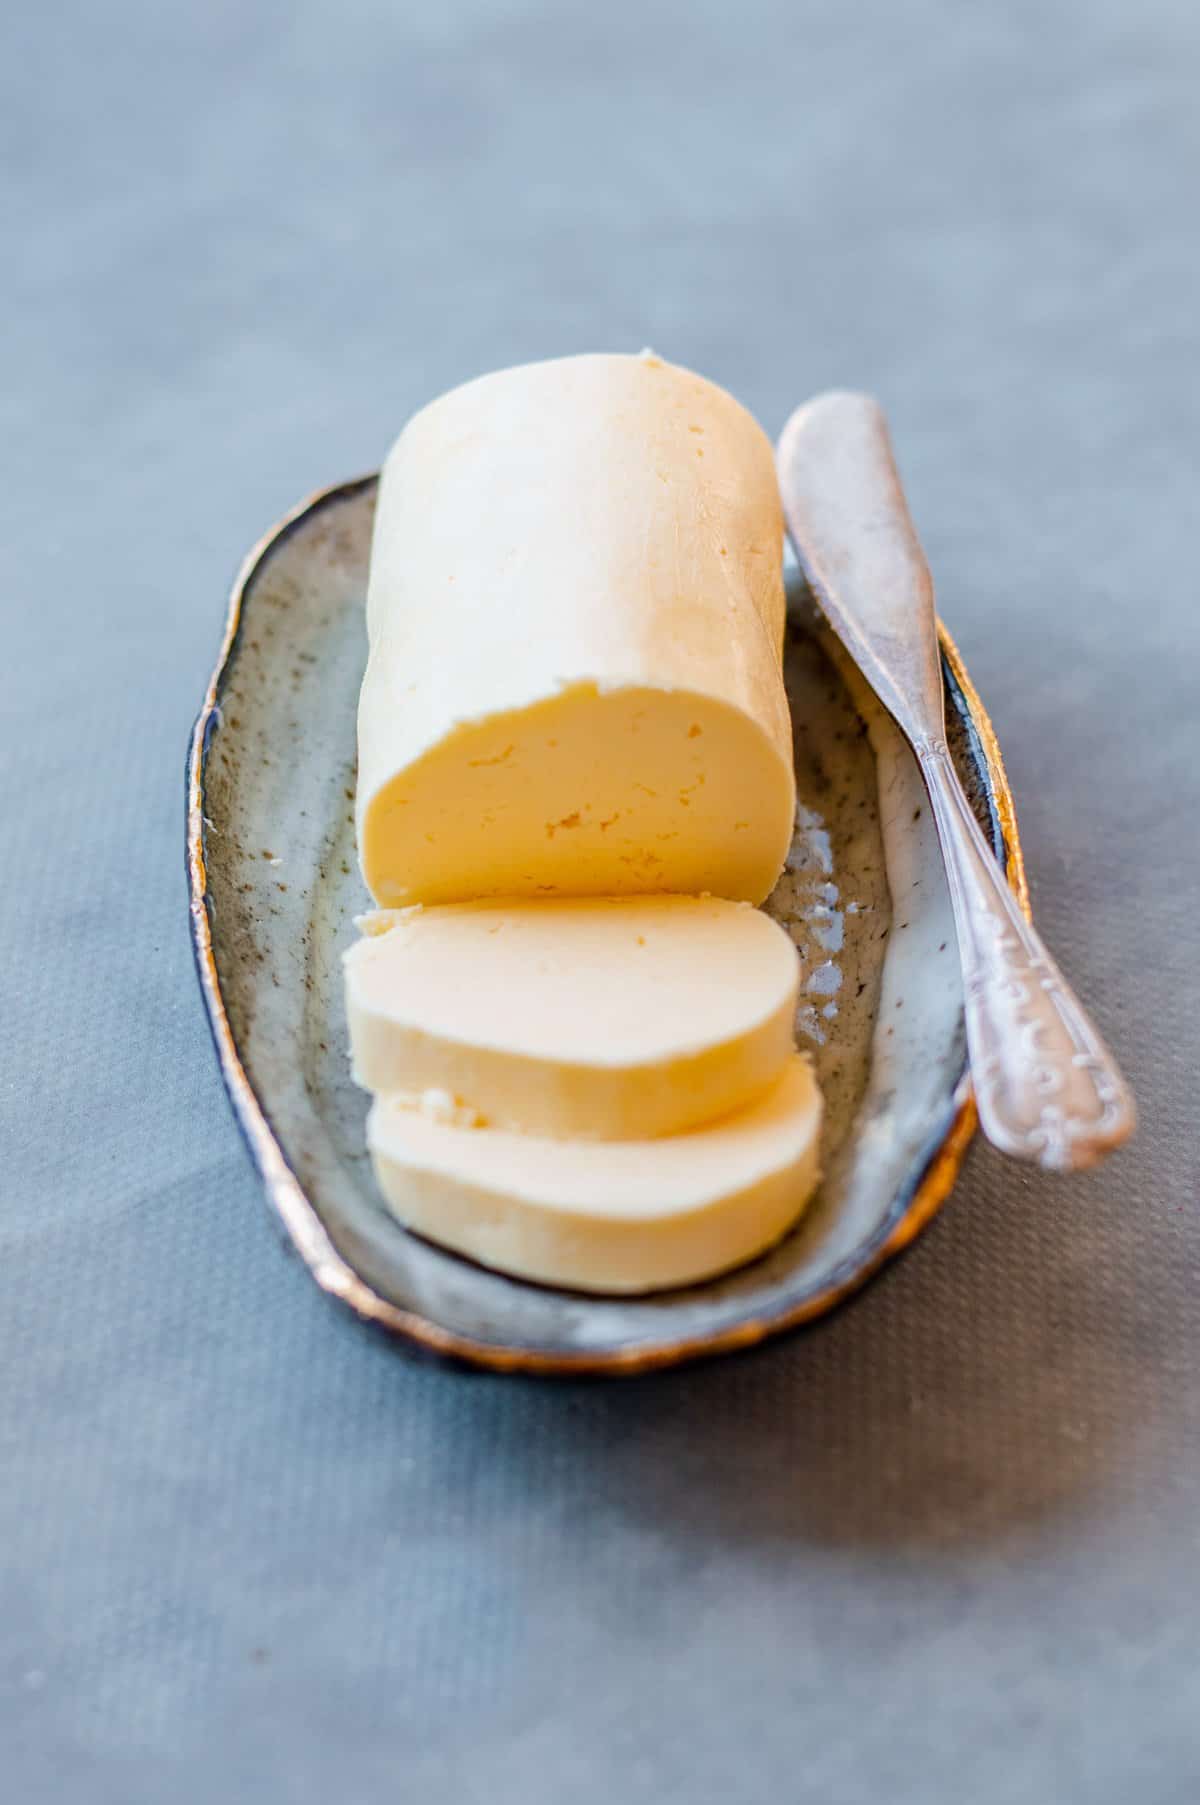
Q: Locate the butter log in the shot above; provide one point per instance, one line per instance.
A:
(575, 615)
(615, 1019)
(621, 1216)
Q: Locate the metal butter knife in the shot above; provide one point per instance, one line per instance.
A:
(1046, 1086)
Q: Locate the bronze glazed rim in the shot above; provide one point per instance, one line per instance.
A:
(300, 1219)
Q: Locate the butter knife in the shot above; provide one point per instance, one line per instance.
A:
(1046, 1086)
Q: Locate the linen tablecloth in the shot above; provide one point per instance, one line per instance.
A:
(944, 1546)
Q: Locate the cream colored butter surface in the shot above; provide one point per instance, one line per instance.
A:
(615, 1019)
(575, 615)
(619, 1216)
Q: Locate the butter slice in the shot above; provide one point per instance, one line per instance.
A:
(624, 1216)
(575, 614)
(617, 1019)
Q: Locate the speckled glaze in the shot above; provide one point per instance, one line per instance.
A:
(275, 886)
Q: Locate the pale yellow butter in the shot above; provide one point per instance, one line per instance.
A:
(619, 1216)
(575, 614)
(615, 1019)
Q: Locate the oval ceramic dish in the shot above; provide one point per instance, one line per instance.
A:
(274, 888)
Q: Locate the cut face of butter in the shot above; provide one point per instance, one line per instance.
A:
(618, 1019)
(575, 614)
(623, 1216)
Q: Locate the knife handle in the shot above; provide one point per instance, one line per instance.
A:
(1046, 1086)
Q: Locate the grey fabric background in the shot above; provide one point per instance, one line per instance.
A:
(944, 1547)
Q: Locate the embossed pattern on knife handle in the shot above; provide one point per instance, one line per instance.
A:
(1046, 1086)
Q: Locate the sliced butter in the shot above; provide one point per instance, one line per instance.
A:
(624, 1216)
(575, 614)
(617, 1019)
